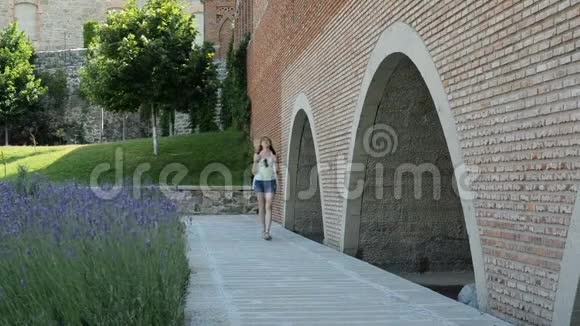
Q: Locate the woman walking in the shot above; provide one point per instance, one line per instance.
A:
(265, 182)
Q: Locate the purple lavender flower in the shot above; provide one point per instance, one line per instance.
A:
(69, 212)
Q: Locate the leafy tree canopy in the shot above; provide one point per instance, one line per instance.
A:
(19, 87)
(139, 56)
(145, 58)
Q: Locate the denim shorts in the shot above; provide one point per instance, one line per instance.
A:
(268, 187)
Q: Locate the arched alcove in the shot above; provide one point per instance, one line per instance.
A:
(402, 212)
(411, 220)
(26, 14)
(303, 205)
(226, 32)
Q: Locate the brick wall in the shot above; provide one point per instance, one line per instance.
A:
(275, 45)
(511, 70)
(243, 21)
(83, 121)
(258, 10)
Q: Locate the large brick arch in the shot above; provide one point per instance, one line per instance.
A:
(302, 116)
(567, 305)
(396, 42)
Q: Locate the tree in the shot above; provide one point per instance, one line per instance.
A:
(19, 86)
(200, 101)
(140, 60)
(89, 32)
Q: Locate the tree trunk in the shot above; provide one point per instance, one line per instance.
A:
(171, 134)
(124, 127)
(6, 134)
(102, 124)
(154, 126)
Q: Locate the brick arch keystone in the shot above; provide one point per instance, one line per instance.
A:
(397, 41)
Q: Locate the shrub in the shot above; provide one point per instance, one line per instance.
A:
(89, 32)
(19, 87)
(236, 106)
(43, 119)
(25, 185)
(57, 89)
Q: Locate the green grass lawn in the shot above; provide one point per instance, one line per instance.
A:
(194, 152)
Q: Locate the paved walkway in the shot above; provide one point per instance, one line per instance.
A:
(240, 279)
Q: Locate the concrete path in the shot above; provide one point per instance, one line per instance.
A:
(240, 279)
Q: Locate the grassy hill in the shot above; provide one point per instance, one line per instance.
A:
(77, 162)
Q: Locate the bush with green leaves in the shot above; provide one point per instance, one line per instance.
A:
(202, 112)
(19, 86)
(41, 121)
(90, 32)
(56, 89)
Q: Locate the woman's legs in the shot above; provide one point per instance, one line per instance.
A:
(268, 217)
(261, 210)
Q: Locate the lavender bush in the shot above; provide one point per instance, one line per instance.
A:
(70, 258)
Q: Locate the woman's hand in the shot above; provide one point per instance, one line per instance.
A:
(255, 164)
(263, 155)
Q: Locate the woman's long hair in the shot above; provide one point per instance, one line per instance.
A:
(260, 148)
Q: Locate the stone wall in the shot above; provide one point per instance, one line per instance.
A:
(182, 124)
(195, 201)
(81, 115)
(89, 118)
(398, 231)
(6, 12)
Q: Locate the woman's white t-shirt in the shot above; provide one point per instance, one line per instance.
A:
(266, 169)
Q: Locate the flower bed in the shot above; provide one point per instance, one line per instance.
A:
(70, 258)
